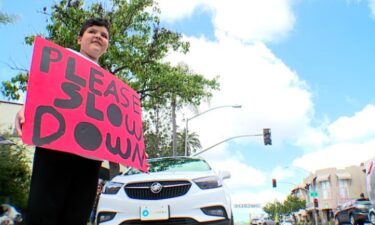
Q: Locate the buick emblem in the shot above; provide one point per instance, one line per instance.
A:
(156, 187)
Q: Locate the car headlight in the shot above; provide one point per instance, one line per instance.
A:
(105, 216)
(112, 188)
(208, 182)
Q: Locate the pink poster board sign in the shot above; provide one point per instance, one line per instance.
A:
(75, 106)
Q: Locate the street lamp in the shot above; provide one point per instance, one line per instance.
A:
(298, 168)
(188, 119)
(228, 139)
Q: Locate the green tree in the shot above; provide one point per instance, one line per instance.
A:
(6, 18)
(138, 45)
(156, 132)
(274, 209)
(293, 204)
(15, 173)
(193, 143)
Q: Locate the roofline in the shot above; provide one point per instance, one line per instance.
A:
(8, 102)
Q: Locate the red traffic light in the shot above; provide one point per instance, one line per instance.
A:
(316, 203)
(274, 183)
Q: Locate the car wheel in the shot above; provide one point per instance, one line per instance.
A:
(372, 218)
(231, 219)
(352, 221)
(337, 221)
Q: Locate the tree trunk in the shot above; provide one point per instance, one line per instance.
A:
(174, 128)
(114, 169)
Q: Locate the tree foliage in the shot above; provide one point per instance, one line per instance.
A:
(291, 204)
(137, 48)
(15, 173)
(7, 18)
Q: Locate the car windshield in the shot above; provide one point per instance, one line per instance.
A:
(365, 202)
(173, 164)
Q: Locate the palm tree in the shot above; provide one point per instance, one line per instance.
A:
(193, 143)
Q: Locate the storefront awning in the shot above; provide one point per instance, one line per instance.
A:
(343, 175)
(322, 177)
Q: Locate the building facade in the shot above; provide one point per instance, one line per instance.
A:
(8, 111)
(331, 187)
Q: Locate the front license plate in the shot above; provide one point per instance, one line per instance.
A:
(159, 212)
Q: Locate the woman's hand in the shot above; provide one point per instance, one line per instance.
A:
(20, 120)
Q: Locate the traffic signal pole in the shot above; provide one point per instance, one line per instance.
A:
(266, 136)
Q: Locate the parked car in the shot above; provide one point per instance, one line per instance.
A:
(353, 212)
(371, 215)
(287, 222)
(177, 190)
(266, 221)
(255, 221)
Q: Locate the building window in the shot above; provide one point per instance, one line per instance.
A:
(343, 188)
(325, 186)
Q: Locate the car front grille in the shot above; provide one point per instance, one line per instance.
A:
(170, 189)
(175, 221)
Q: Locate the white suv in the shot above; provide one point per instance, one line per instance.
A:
(178, 190)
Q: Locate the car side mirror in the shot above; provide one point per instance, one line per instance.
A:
(224, 174)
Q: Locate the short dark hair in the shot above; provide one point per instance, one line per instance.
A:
(94, 22)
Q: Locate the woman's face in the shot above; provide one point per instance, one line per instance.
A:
(94, 42)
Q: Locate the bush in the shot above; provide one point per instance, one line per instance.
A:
(15, 173)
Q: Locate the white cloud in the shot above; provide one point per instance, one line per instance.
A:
(266, 20)
(282, 173)
(173, 10)
(270, 93)
(312, 138)
(337, 155)
(372, 7)
(260, 197)
(353, 128)
(237, 168)
(351, 142)
(246, 20)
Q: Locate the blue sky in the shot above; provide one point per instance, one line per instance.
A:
(304, 68)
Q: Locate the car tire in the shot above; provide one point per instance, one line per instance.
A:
(337, 221)
(231, 219)
(352, 220)
(372, 218)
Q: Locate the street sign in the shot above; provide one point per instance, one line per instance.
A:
(314, 194)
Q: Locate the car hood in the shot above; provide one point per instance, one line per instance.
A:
(161, 176)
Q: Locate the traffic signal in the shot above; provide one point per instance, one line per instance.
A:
(274, 184)
(316, 203)
(267, 136)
